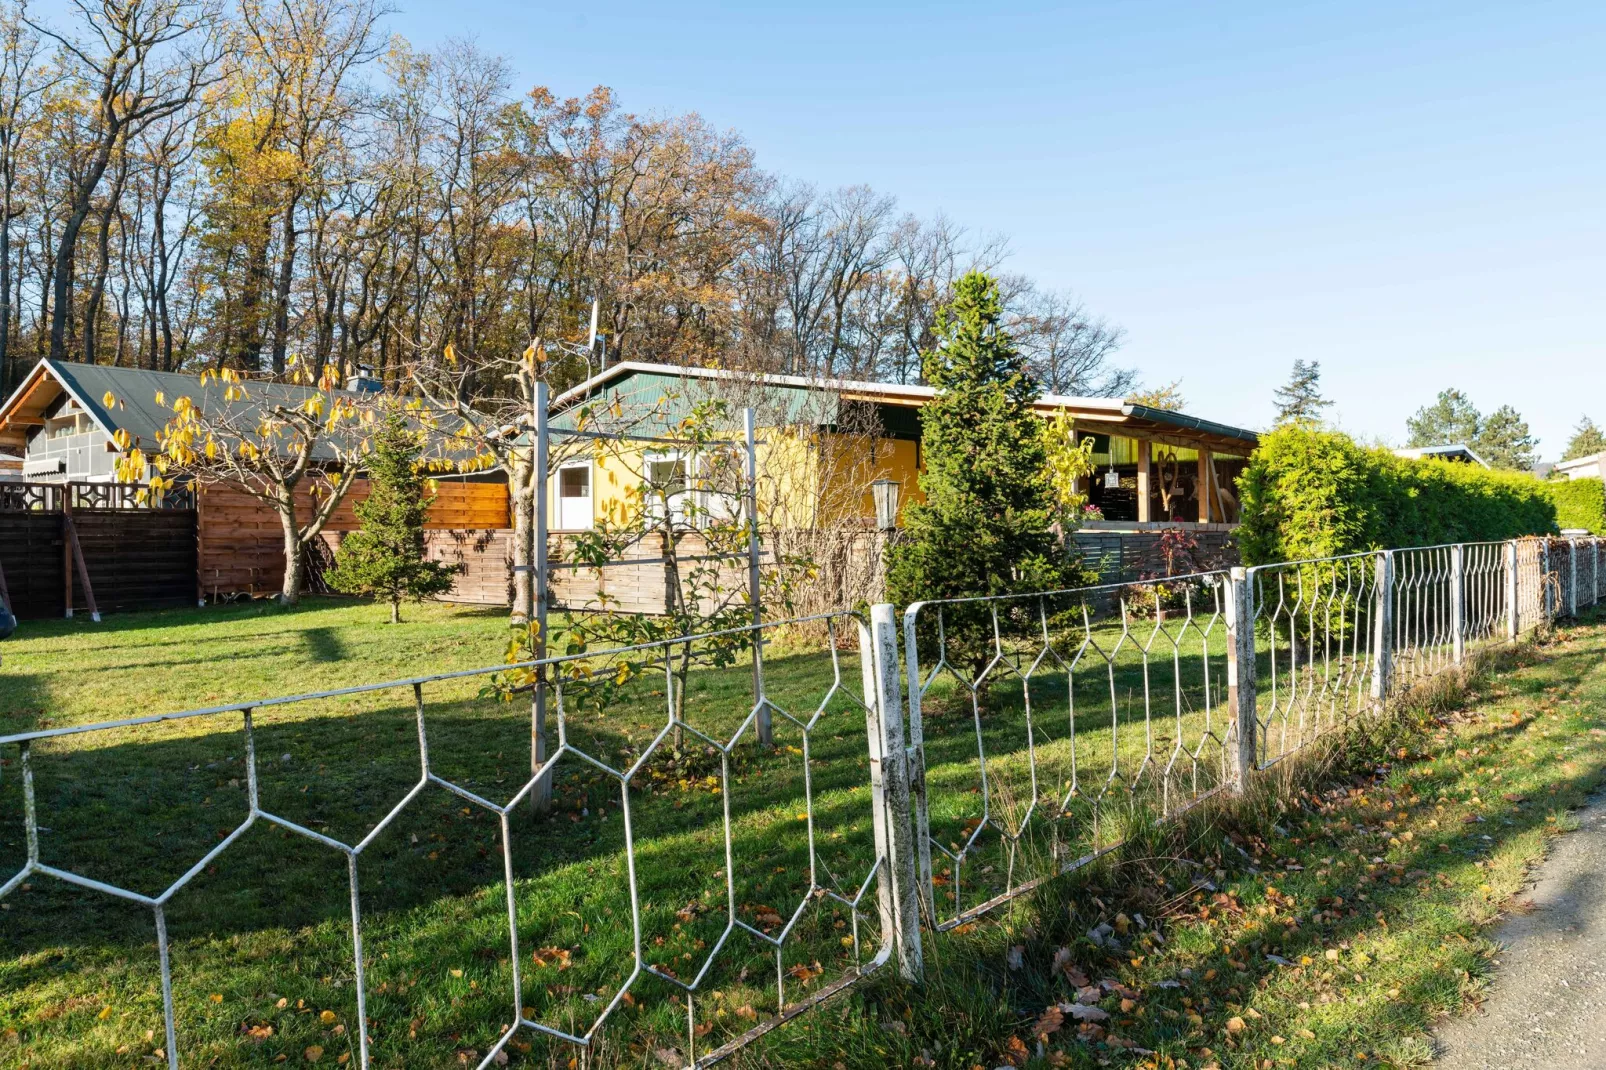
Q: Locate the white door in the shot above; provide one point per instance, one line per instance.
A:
(574, 497)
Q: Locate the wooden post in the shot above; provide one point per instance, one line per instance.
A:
(1144, 452)
(1201, 488)
(66, 558)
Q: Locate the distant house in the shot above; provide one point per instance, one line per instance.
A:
(1459, 453)
(1153, 467)
(1590, 467)
(59, 419)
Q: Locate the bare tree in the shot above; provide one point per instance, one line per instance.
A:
(1068, 349)
(133, 58)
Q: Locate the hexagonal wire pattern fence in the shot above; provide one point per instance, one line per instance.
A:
(1047, 721)
(1014, 782)
(1046, 725)
(844, 632)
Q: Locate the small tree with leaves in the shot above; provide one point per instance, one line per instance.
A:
(986, 526)
(290, 444)
(1301, 401)
(1587, 441)
(385, 557)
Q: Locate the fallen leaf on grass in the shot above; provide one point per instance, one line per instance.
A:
(1084, 1013)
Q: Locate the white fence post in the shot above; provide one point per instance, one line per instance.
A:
(1240, 606)
(1572, 577)
(1513, 589)
(1458, 604)
(1547, 604)
(1383, 651)
(889, 787)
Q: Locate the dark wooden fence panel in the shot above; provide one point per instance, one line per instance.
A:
(31, 554)
(137, 559)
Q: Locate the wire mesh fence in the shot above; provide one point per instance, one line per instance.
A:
(1047, 724)
(362, 872)
(1043, 727)
(685, 892)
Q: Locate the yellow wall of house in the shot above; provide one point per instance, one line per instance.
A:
(806, 480)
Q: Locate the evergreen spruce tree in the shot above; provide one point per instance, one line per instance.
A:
(1301, 401)
(985, 527)
(385, 557)
(1587, 441)
(1505, 441)
(1452, 420)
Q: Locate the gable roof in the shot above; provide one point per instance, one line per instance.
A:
(1100, 415)
(135, 390)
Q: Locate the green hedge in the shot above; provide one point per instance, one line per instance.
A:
(1580, 503)
(1309, 493)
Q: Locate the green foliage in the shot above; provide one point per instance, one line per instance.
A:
(1587, 441)
(386, 557)
(1502, 438)
(985, 527)
(1309, 493)
(1451, 420)
(1506, 442)
(1301, 401)
(1580, 503)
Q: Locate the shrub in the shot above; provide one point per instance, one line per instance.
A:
(1580, 503)
(985, 527)
(1308, 493)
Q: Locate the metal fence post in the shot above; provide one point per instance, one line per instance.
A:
(766, 729)
(1458, 604)
(917, 766)
(1240, 606)
(541, 797)
(1572, 577)
(1513, 589)
(1383, 666)
(1547, 606)
(889, 787)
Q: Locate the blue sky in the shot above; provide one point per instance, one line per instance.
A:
(1409, 193)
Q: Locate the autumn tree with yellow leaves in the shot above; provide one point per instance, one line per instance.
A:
(276, 441)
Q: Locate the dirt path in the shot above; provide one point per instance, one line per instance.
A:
(1547, 1007)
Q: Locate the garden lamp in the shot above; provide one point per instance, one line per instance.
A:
(885, 492)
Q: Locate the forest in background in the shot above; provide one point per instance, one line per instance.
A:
(188, 185)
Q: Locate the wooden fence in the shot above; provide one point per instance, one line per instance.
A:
(241, 549)
(133, 557)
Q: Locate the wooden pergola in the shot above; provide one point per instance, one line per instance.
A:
(1147, 426)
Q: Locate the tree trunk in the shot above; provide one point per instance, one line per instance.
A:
(281, 297)
(395, 611)
(295, 558)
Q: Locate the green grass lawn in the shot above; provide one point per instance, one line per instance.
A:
(261, 939)
(268, 920)
(1331, 925)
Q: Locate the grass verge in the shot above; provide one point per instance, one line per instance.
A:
(1329, 920)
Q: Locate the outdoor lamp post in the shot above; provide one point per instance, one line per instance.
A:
(885, 492)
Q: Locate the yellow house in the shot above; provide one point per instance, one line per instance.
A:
(823, 442)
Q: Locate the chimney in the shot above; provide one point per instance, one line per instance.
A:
(363, 381)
